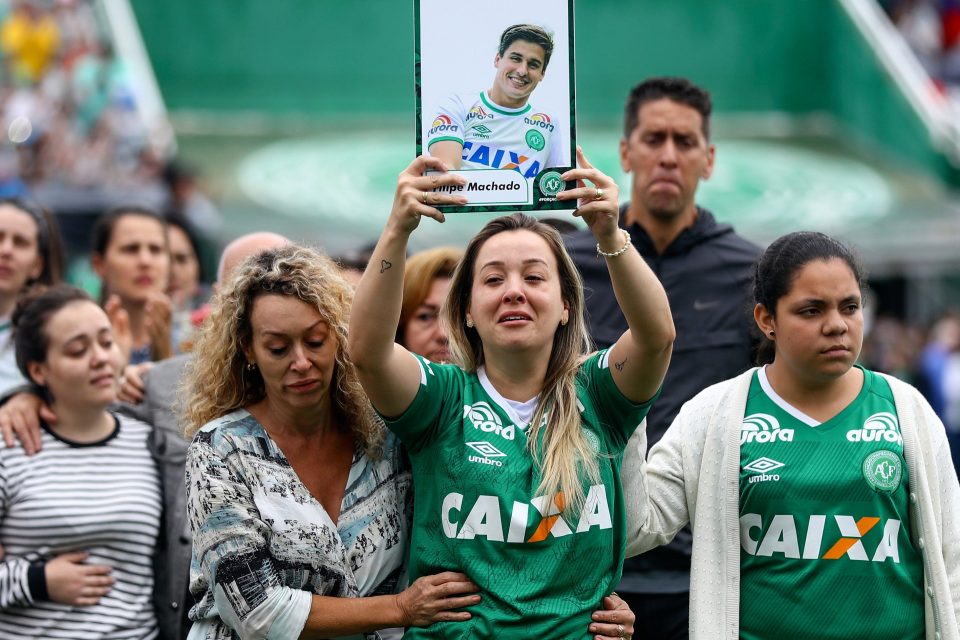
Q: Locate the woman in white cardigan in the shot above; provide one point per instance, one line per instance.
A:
(823, 499)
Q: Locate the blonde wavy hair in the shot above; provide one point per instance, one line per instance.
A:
(565, 456)
(217, 380)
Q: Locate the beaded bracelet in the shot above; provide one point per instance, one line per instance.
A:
(626, 245)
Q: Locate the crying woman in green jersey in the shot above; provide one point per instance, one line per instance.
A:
(822, 494)
(516, 448)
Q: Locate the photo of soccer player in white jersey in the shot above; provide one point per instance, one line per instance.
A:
(513, 124)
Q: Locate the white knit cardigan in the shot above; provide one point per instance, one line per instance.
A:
(693, 475)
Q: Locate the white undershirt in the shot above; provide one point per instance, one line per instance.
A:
(783, 404)
(520, 412)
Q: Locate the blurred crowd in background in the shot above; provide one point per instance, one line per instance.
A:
(68, 109)
(932, 29)
(72, 140)
(928, 357)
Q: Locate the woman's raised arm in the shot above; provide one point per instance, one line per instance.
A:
(389, 373)
(639, 359)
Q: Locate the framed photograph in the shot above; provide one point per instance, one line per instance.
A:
(496, 98)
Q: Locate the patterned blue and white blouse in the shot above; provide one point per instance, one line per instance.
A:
(263, 545)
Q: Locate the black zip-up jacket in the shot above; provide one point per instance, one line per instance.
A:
(707, 273)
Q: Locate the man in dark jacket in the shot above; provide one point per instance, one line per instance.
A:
(705, 268)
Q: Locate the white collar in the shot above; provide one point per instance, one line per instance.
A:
(783, 404)
(521, 413)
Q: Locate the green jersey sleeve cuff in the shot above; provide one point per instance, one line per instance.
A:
(416, 426)
(444, 139)
(619, 413)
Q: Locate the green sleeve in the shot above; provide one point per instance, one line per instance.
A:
(420, 424)
(619, 416)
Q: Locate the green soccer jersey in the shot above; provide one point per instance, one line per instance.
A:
(824, 521)
(541, 570)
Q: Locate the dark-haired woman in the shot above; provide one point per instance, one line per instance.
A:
(131, 256)
(30, 253)
(78, 520)
(823, 497)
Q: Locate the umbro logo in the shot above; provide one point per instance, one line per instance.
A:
(488, 453)
(486, 449)
(761, 468)
(762, 465)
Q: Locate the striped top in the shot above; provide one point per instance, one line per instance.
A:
(102, 498)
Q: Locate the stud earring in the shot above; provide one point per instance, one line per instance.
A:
(469, 323)
(251, 366)
(773, 333)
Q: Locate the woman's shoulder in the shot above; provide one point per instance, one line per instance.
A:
(720, 393)
(905, 392)
(895, 383)
(445, 376)
(129, 423)
(229, 429)
(443, 369)
(590, 365)
(234, 420)
(131, 430)
(16, 455)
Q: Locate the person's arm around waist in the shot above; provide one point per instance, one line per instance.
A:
(429, 599)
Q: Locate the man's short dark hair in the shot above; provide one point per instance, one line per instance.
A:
(530, 33)
(678, 90)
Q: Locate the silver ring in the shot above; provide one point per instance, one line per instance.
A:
(598, 197)
(423, 197)
(620, 631)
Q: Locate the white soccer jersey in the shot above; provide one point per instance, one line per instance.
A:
(495, 137)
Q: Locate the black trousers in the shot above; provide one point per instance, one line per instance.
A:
(660, 616)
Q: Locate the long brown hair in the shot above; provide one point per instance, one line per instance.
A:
(565, 455)
(421, 270)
